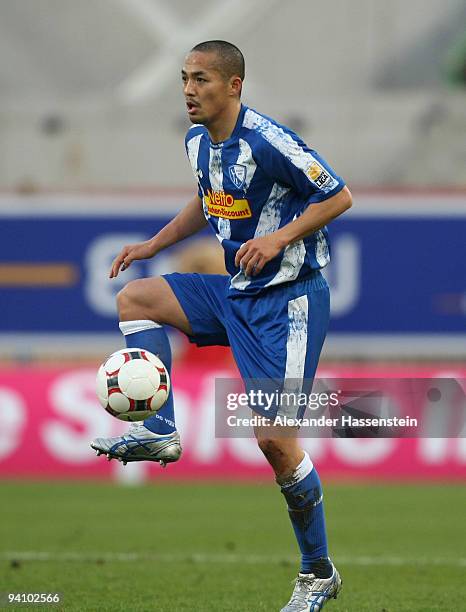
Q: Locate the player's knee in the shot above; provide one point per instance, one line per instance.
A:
(131, 301)
(272, 448)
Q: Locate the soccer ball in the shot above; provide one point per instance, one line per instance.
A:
(132, 384)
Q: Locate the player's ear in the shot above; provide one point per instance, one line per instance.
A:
(236, 85)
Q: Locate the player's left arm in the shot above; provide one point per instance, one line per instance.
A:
(315, 217)
(255, 253)
(285, 158)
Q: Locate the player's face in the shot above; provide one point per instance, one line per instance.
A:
(206, 90)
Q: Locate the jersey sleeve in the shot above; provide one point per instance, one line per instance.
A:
(189, 154)
(287, 159)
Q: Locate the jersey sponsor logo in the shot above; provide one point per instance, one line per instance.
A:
(321, 177)
(237, 174)
(221, 204)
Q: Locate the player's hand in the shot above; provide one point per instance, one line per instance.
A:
(130, 253)
(252, 256)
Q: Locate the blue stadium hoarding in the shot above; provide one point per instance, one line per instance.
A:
(394, 274)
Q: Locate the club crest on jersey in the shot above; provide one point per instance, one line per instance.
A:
(237, 174)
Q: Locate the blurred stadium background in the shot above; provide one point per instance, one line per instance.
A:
(91, 157)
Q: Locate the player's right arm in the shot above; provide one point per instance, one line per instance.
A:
(187, 222)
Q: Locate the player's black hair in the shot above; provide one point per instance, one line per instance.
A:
(231, 60)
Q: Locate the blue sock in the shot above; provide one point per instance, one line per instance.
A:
(153, 337)
(303, 492)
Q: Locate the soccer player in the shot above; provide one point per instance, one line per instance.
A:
(268, 198)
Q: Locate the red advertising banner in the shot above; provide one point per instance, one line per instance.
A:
(48, 416)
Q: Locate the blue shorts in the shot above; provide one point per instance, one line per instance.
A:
(275, 336)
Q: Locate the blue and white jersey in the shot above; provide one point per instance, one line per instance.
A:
(260, 179)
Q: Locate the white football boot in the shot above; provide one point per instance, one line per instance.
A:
(311, 594)
(140, 444)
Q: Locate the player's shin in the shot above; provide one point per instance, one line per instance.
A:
(153, 337)
(303, 493)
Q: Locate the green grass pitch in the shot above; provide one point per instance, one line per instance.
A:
(228, 547)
